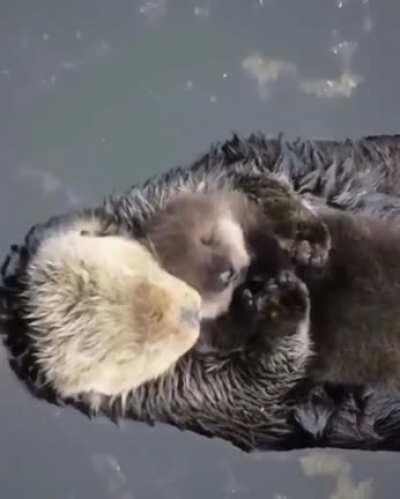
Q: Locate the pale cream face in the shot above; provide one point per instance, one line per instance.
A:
(106, 317)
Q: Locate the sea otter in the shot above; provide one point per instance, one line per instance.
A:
(248, 400)
(355, 318)
(107, 313)
(281, 289)
(93, 280)
(211, 241)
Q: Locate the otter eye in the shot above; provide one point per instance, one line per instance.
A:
(206, 240)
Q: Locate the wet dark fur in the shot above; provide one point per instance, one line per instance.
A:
(242, 398)
(355, 307)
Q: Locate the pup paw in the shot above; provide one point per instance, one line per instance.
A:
(284, 298)
(310, 247)
(302, 235)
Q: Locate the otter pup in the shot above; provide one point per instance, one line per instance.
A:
(355, 317)
(355, 313)
(210, 240)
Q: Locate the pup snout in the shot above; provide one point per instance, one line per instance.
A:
(226, 276)
(231, 274)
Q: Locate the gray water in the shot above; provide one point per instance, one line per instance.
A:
(96, 95)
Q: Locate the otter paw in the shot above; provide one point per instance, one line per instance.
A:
(284, 297)
(245, 295)
(312, 246)
(309, 244)
(298, 229)
(300, 232)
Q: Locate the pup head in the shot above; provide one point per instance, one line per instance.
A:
(199, 239)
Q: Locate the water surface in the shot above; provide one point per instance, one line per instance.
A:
(96, 95)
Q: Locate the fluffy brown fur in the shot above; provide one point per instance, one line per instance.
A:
(201, 238)
(355, 313)
(209, 239)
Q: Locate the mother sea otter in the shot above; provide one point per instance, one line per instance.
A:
(217, 397)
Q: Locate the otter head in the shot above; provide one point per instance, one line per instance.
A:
(199, 239)
(103, 316)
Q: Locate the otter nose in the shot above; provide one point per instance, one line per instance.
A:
(222, 273)
(190, 316)
(226, 277)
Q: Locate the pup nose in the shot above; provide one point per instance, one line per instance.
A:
(226, 277)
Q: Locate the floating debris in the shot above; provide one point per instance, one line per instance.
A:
(344, 86)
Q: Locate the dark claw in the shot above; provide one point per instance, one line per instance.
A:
(311, 256)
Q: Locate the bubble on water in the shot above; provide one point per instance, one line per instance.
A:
(201, 11)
